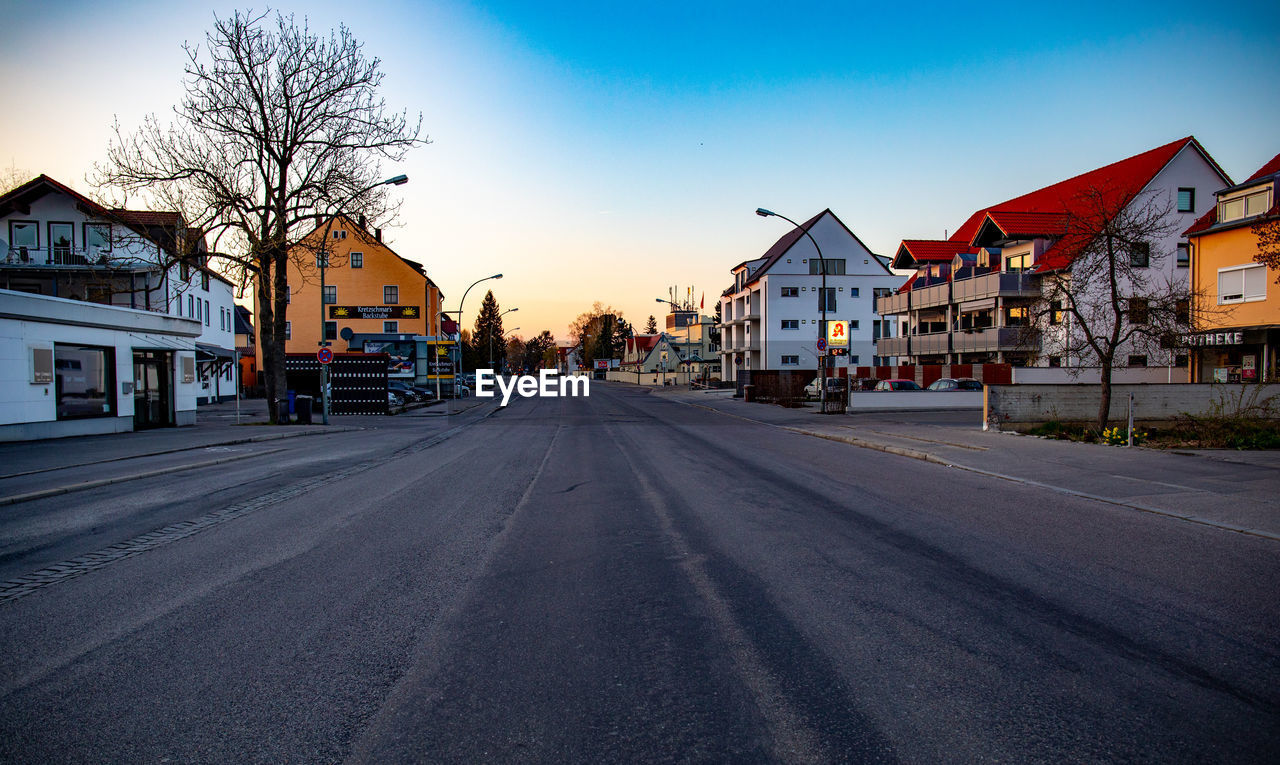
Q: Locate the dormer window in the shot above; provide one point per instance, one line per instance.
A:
(1244, 206)
(97, 236)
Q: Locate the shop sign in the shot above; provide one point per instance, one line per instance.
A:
(374, 312)
(837, 334)
(1205, 339)
(1248, 368)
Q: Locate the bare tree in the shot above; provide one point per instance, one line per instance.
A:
(279, 127)
(1113, 295)
(12, 177)
(1267, 230)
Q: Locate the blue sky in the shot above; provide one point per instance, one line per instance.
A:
(604, 151)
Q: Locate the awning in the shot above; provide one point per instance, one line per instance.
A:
(207, 352)
(978, 305)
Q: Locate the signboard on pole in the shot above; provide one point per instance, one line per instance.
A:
(324, 355)
(602, 363)
(838, 334)
(822, 345)
(439, 360)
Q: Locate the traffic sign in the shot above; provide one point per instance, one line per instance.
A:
(324, 355)
(822, 344)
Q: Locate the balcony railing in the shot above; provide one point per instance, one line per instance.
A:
(1001, 284)
(927, 297)
(57, 256)
(991, 339)
(891, 304)
(934, 342)
(893, 346)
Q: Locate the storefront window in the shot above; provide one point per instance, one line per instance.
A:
(85, 381)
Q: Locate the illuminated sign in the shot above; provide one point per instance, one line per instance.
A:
(374, 312)
(837, 334)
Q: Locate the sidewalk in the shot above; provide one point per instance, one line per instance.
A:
(216, 425)
(1231, 490)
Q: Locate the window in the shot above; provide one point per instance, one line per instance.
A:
(339, 234)
(1015, 316)
(331, 330)
(207, 311)
(790, 361)
(1244, 206)
(288, 330)
(330, 296)
(97, 236)
(204, 280)
(829, 304)
(61, 242)
(1018, 262)
(1055, 311)
(191, 307)
(184, 271)
(85, 381)
(391, 326)
(853, 324)
(1137, 361)
(1186, 200)
(390, 295)
(322, 259)
(24, 235)
(1242, 284)
(1140, 254)
(1180, 360)
(222, 320)
(1138, 310)
(1055, 361)
(1182, 311)
(790, 324)
(1184, 255)
(357, 260)
(790, 292)
(835, 266)
(853, 292)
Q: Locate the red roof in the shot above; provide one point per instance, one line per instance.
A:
(1210, 218)
(642, 342)
(1020, 225)
(932, 250)
(1271, 168)
(780, 247)
(149, 217)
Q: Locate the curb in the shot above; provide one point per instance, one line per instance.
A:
(55, 491)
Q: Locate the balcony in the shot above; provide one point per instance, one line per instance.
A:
(57, 256)
(891, 304)
(934, 342)
(992, 339)
(1004, 284)
(927, 297)
(893, 346)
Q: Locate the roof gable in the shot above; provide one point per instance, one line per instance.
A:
(792, 237)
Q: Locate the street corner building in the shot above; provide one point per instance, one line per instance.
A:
(1236, 308)
(106, 317)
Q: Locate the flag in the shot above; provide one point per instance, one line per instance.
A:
(704, 302)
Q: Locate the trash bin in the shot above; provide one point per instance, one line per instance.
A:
(302, 404)
(748, 393)
(282, 411)
(292, 395)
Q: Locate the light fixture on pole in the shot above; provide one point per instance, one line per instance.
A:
(687, 339)
(460, 302)
(398, 180)
(822, 304)
(504, 313)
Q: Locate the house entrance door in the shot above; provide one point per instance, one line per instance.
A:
(152, 391)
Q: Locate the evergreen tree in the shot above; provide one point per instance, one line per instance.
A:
(490, 345)
(651, 326)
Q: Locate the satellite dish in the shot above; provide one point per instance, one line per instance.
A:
(346, 333)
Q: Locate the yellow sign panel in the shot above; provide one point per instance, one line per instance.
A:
(837, 334)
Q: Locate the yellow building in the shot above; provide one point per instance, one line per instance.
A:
(1236, 311)
(373, 298)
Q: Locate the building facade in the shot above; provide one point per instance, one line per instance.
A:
(372, 299)
(987, 293)
(1236, 308)
(771, 314)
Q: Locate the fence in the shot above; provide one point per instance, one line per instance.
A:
(650, 378)
(1018, 406)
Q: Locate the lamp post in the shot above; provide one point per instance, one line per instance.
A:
(398, 180)
(822, 305)
(460, 302)
(504, 313)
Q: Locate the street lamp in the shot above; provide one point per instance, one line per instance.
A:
(398, 180)
(460, 302)
(504, 313)
(822, 305)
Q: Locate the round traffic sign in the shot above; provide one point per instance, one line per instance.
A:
(324, 355)
(822, 344)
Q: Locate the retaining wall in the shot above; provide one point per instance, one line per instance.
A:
(1016, 406)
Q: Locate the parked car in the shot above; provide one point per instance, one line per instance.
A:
(425, 391)
(895, 385)
(834, 384)
(404, 390)
(862, 383)
(394, 399)
(955, 383)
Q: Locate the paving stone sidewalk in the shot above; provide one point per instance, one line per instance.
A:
(1232, 490)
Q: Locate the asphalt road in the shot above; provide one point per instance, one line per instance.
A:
(625, 578)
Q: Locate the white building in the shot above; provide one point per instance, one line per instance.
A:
(57, 242)
(70, 367)
(771, 316)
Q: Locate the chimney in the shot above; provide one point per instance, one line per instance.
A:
(377, 234)
(363, 221)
